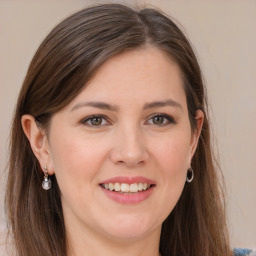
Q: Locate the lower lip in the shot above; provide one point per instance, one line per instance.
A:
(128, 198)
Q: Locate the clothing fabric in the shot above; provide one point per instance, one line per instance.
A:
(243, 252)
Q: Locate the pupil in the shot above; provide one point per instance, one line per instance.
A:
(158, 120)
(96, 121)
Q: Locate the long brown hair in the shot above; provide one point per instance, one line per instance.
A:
(66, 60)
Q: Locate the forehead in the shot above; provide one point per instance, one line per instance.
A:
(146, 74)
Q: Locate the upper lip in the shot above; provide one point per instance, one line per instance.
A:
(129, 180)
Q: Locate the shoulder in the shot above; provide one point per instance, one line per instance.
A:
(243, 252)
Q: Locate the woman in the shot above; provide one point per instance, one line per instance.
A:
(110, 145)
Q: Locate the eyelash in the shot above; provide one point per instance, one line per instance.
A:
(170, 119)
(88, 119)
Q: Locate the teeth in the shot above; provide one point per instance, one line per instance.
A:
(111, 186)
(117, 187)
(134, 187)
(126, 188)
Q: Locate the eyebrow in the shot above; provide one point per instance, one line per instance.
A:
(169, 102)
(106, 106)
(95, 104)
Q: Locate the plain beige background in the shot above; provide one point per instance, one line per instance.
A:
(224, 36)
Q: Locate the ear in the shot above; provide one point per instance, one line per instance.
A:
(196, 133)
(38, 142)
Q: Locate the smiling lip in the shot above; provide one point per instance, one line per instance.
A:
(129, 180)
(128, 198)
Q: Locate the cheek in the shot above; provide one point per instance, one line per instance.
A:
(172, 157)
(76, 161)
(173, 161)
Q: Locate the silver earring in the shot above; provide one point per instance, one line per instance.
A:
(190, 175)
(46, 184)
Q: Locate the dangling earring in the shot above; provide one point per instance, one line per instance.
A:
(46, 184)
(190, 175)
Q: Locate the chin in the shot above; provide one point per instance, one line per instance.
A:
(131, 228)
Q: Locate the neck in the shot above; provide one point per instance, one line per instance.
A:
(95, 244)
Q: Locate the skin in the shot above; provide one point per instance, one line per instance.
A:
(129, 141)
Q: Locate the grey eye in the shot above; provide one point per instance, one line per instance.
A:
(161, 120)
(96, 121)
(158, 120)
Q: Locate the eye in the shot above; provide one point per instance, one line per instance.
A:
(160, 120)
(95, 120)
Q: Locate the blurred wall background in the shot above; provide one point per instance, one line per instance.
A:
(223, 34)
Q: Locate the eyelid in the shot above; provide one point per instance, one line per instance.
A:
(170, 120)
(88, 118)
(168, 117)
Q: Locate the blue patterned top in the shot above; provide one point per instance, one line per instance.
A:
(244, 252)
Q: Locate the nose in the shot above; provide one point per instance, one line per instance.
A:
(130, 148)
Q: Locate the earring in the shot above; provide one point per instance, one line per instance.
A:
(46, 184)
(190, 175)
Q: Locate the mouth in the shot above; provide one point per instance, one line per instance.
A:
(127, 189)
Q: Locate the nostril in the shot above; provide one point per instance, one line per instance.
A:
(130, 163)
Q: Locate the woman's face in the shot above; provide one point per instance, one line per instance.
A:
(127, 130)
